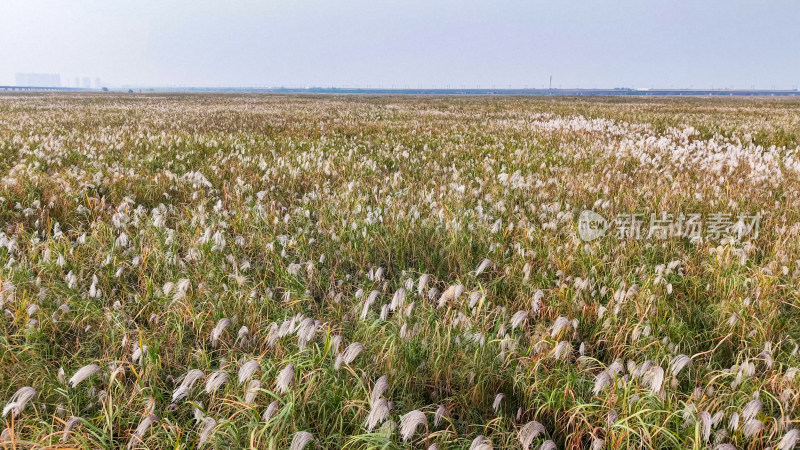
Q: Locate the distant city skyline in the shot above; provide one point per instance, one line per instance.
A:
(459, 44)
(55, 80)
(38, 79)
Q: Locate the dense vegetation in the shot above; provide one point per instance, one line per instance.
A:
(396, 272)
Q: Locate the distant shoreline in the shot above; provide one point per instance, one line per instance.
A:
(474, 91)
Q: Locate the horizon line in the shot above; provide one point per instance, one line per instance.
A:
(421, 90)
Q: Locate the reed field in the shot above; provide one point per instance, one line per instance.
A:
(353, 272)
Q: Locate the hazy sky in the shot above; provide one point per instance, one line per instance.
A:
(581, 43)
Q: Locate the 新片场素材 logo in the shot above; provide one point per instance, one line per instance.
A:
(692, 226)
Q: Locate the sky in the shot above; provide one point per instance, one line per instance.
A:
(406, 43)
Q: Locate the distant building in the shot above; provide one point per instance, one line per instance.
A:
(87, 82)
(38, 79)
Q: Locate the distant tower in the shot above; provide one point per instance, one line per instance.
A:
(551, 83)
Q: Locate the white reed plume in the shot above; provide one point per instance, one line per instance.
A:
(294, 269)
(601, 380)
(189, 380)
(219, 328)
(409, 309)
(422, 283)
(717, 418)
(529, 432)
(270, 411)
(377, 413)
(752, 427)
(381, 386)
(285, 379)
(482, 266)
(247, 370)
(116, 369)
(335, 343)
(611, 418)
(384, 312)
(216, 380)
(639, 371)
(481, 443)
(252, 391)
(69, 425)
(18, 401)
(766, 355)
(548, 445)
(678, 363)
(789, 440)
(368, 303)
(733, 422)
(536, 302)
(751, 409)
(207, 428)
(398, 299)
(288, 326)
(560, 323)
(181, 288)
(409, 423)
(451, 294)
(654, 379)
(518, 319)
(243, 334)
(305, 332)
(474, 298)
(441, 413)
(705, 425)
(273, 334)
(138, 354)
(167, 287)
(141, 430)
(349, 354)
(94, 291)
(197, 411)
(84, 373)
(497, 400)
(300, 440)
(563, 350)
(526, 271)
